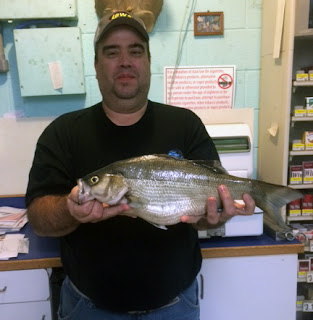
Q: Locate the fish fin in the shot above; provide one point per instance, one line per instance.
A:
(214, 165)
(271, 198)
(159, 226)
(135, 202)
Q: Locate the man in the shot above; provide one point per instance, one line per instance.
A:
(121, 267)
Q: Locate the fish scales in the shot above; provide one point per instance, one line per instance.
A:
(161, 189)
(166, 212)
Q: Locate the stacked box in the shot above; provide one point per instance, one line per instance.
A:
(297, 145)
(309, 106)
(303, 268)
(301, 75)
(307, 171)
(307, 205)
(300, 111)
(295, 174)
(308, 140)
(294, 208)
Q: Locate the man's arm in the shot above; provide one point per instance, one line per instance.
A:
(49, 216)
(56, 216)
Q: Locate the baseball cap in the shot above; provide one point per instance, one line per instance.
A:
(107, 22)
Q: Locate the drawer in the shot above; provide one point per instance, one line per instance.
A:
(24, 286)
(26, 311)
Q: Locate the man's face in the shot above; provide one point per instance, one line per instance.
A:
(123, 68)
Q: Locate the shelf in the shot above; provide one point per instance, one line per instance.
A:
(301, 186)
(302, 83)
(301, 153)
(306, 33)
(306, 118)
(299, 218)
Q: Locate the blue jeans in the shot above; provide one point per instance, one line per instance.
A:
(75, 306)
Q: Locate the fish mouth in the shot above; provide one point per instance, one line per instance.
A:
(83, 194)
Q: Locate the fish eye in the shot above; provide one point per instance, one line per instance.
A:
(94, 179)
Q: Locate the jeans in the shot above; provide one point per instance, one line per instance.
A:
(75, 306)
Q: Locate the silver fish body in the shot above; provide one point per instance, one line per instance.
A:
(161, 189)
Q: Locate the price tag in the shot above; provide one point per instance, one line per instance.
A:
(308, 306)
(309, 276)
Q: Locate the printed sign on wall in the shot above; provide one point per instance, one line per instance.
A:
(203, 87)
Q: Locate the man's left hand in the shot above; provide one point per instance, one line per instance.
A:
(214, 218)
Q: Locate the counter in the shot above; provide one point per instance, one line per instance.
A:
(44, 252)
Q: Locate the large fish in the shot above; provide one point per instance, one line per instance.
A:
(161, 189)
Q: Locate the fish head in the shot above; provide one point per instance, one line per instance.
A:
(106, 188)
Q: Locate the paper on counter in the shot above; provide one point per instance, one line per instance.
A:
(12, 219)
(11, 210)
(13, 244)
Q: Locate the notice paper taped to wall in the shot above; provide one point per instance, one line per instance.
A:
(202, 87)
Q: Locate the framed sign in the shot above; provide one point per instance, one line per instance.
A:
(208, 23)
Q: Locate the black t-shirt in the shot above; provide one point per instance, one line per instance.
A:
(122, 263)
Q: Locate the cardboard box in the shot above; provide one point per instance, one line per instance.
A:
(303, 268)
(294, 208)
(309, 102)
(295, 174)
(297, 145)
(307, 171)
(299, 111)
(307, 205)
(308, 140)
(309, 105)
(302, 76)
(300, 300)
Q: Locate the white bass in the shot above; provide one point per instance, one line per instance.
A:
(161, 189)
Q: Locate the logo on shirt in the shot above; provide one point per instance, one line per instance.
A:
(176, 154)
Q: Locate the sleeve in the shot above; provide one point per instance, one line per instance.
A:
(51, 171)
(199, 145)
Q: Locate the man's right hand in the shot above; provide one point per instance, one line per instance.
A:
(93, 210)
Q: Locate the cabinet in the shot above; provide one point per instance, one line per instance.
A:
(25, 294)
(245, 288)
(280, 96)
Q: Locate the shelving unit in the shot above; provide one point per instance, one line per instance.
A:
(299, 218)
(302, 83)
(301, 153)
(301, 186)
(300, 119)
(279, 94)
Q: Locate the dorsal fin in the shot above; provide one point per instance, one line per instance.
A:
(214, 165)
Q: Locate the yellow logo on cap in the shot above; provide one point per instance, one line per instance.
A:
(120, 15)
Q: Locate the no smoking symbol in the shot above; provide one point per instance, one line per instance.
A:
(225, 81)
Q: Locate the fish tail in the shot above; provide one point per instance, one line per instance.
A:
(270, 198)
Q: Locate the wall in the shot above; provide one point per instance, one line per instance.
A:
(239, 46)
